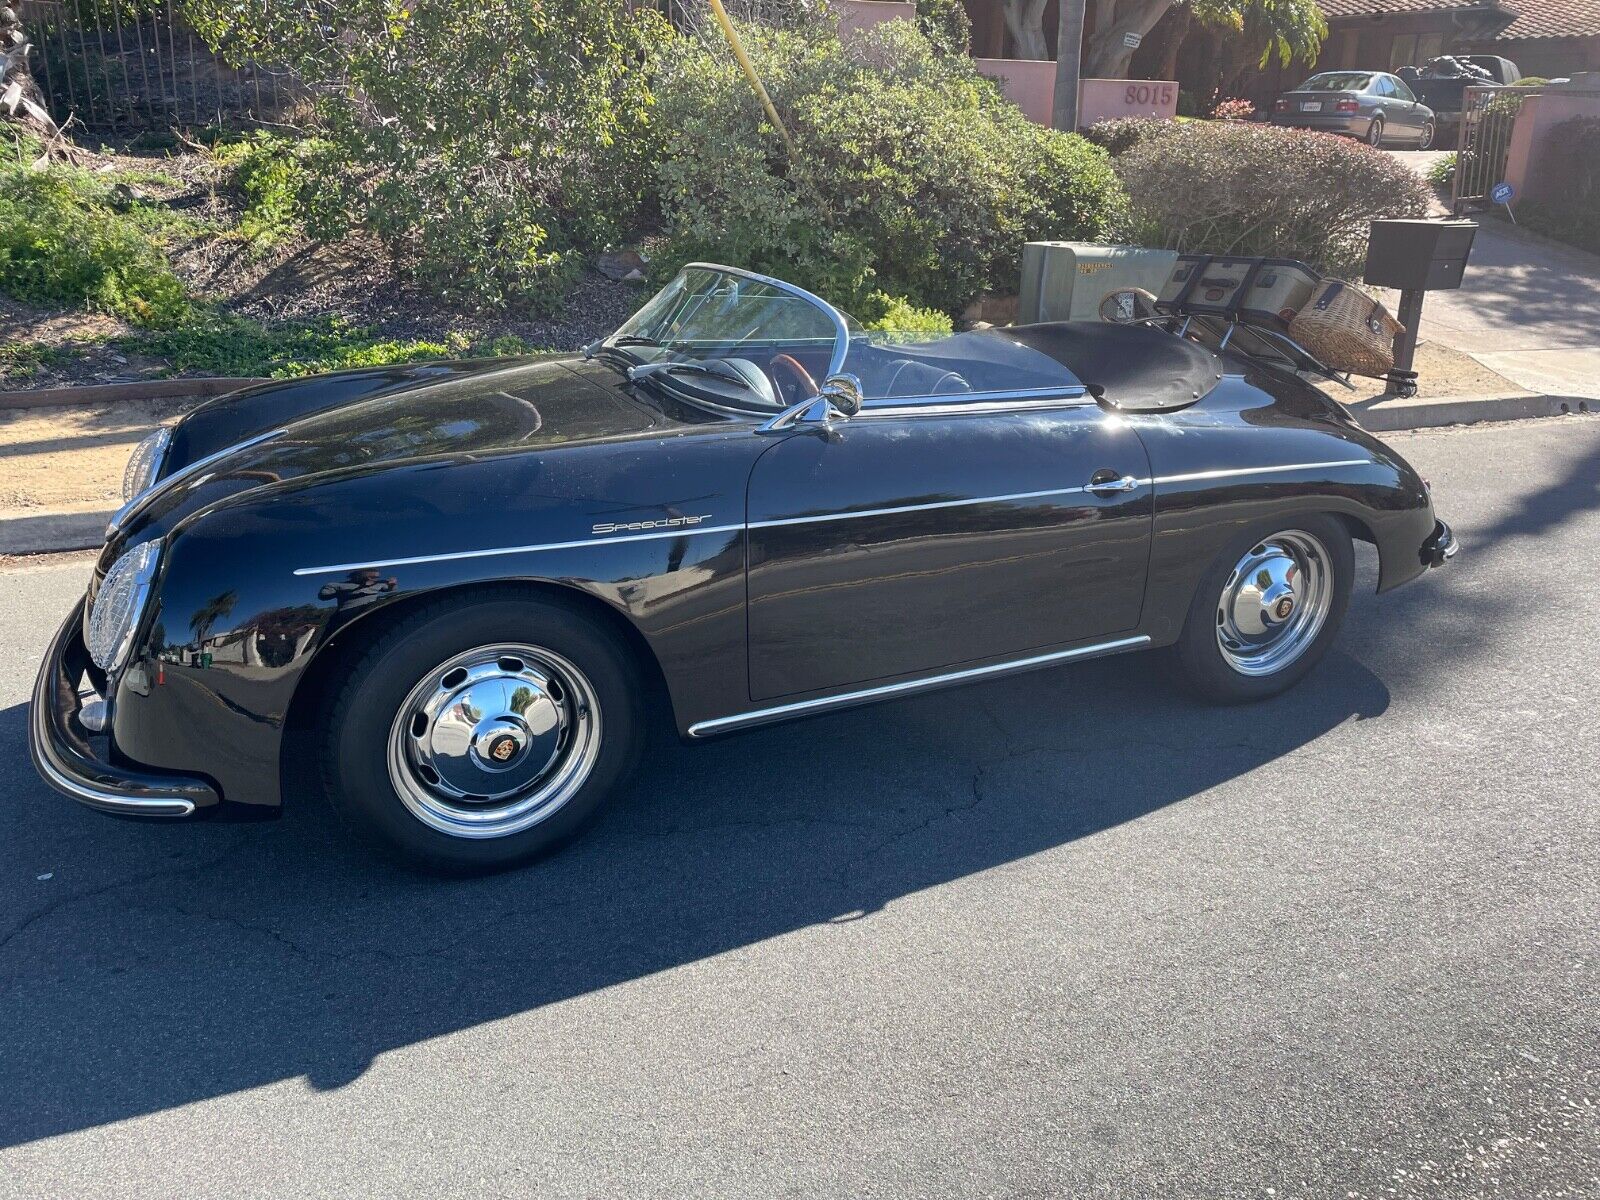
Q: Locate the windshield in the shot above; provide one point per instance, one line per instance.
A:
(734, 339)
(1337, 81)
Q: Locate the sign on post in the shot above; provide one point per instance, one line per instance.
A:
(1502, 193)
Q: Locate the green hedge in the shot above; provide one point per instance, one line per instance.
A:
(912, 174)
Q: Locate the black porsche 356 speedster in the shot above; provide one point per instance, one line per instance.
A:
(466, 578)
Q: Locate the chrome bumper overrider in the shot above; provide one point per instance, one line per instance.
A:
(1440, 547)
(61, 752)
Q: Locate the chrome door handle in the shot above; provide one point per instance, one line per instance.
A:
(1111, 487)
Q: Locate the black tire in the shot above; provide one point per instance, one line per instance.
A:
(1375, 133)
(1205, 666)
(1425, 141)
(364, 711)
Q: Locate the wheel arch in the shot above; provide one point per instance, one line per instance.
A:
(341, 647)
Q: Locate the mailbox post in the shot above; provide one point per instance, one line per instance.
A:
(1416, 257)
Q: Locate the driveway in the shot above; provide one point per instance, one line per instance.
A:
(1528, 308)
(1067, 934)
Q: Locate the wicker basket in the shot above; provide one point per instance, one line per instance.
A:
(1347, 329)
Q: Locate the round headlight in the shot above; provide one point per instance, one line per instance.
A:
(145, 463)
(119, 604)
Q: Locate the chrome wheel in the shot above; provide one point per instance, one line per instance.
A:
(1375, 132)
(494, 740)
(1274, 603)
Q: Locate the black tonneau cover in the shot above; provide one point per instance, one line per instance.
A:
(1135, 368)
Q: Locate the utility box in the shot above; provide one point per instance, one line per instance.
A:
(1065, 281)
(1418, 256)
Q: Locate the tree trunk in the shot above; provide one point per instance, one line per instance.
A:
(1025, 22)
(1108, 54)
(1069, 56)
(1177, 33)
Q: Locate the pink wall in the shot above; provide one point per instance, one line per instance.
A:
(863, 14)
(1031, 85)
(1531, 142)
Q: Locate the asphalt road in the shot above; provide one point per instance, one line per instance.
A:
(1065, 935)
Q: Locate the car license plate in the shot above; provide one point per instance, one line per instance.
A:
(1311, 106)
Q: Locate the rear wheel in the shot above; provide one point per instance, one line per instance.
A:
(1375, 132)
(477, 736)
(1267, 610)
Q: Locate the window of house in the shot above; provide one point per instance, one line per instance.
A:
(1402, 51)
(1429, 45)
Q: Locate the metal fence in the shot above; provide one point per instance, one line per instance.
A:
(119, 66)
(1488, 115)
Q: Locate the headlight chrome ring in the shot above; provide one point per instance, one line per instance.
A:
(144, 464)
(119, 604)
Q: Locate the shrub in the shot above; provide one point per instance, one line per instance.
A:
(1233, 110)
(278, 179)
(896, 314)
(1229, 188)
(912, 174)
(946, 25)
(1124, 133)
(214, 342)
(64, 245)
(490, 145)
(1442, 171)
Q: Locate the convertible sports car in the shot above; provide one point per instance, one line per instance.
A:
(465, 579)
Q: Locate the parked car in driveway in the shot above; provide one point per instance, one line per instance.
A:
(1375, 106)
(463, 580)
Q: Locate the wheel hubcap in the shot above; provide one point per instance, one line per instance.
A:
(1274, 603)
(494, 741)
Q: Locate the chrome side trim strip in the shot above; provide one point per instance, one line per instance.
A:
(905, 508)
(333, 568)
(762, 716)
(1194, 476)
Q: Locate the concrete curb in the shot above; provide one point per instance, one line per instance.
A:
(1418, 412)
(52, 532)
(112, 393)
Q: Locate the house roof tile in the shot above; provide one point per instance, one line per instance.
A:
(1534, 18)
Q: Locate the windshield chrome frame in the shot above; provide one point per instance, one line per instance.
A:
(841, 328)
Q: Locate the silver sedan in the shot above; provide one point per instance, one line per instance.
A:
(1371, 105)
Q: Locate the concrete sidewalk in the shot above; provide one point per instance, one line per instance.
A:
(1528, 308)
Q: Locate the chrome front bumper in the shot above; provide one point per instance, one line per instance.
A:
(1440, 547)
(59, 744)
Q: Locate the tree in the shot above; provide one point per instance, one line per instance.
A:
(1108, 54)
(1069, 57)
(1025, 22)
(1244, 34)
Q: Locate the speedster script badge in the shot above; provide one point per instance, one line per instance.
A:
(640, 526)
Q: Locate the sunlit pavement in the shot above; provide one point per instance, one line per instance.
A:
(1066, 934)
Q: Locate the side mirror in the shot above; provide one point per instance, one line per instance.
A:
(843, 393)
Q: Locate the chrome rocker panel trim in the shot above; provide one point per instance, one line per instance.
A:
(908, 687)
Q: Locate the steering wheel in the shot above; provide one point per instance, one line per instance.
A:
(805, 386)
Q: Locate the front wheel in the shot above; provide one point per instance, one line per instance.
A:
(479, 735)
(1375, 132)
(1425, 142)
(1266, 611)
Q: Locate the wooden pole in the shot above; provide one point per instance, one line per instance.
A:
(732, 35)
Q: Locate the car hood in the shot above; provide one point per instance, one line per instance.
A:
(461, 412)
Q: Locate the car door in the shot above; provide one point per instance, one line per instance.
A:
(914, 538)
(1406, 102)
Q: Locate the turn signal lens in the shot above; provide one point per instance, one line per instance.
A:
(119, 604)
(145, 463)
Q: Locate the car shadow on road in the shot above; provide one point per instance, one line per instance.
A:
(164, 965)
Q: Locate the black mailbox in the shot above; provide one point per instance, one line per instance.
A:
(1418, 255)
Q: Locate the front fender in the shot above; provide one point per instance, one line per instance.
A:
(256, 587)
